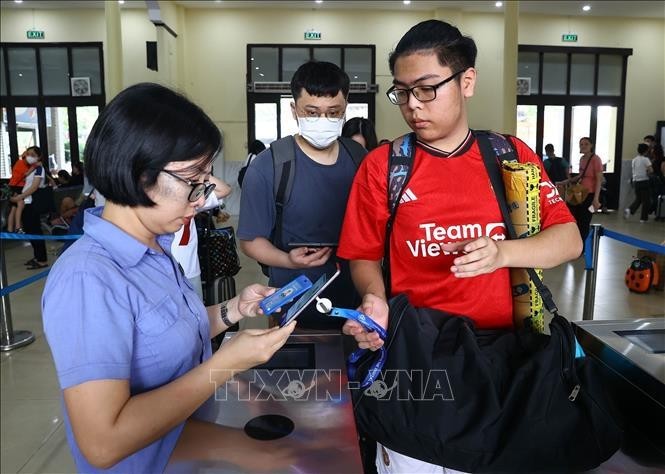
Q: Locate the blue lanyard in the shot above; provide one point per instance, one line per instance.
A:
(371, 326)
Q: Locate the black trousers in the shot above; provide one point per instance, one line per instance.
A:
(583, 216)
(642, 198)
(32, 225)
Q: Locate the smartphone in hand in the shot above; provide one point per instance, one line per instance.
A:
(285, 294)
(307, 298)
(313, 244)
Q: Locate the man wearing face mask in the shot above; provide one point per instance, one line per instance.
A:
(314, 208)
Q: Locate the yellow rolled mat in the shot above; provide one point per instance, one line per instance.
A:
(522, 183)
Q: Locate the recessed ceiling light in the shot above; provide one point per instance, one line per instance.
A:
(406, 2)
(261, 74)
(586, 8)
(319, 1)
(18, 1)
(498, 4)
(257, 67)
(121, 2)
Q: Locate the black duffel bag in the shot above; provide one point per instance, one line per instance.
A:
(486, 401)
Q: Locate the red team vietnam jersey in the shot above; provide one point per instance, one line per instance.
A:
(447, 199)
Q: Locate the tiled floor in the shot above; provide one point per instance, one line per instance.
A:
(33, 438)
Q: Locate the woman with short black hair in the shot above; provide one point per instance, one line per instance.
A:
(130, 337)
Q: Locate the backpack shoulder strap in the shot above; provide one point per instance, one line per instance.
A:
(283, 158)
(400, 164)
(502, 145)
(354, 149)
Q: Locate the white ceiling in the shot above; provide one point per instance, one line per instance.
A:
(642, 9)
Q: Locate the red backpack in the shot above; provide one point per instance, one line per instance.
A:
(642, 274)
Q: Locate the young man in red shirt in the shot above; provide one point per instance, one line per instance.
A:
(448, 249)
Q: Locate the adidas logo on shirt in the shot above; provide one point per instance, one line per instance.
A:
(408, 196)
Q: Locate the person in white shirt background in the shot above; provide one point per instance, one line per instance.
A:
(184, 247)
(641, 166)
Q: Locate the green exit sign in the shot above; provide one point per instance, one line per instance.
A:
(569, 38)
(312, 35)
(35, 34)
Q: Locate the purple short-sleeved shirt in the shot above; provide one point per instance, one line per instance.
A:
(115, 309)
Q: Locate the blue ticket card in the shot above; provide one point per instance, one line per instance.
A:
(285, 294)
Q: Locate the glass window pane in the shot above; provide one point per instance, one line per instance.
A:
(580, 127)
(606, 134)
(292, 59)
(85, 119)
(358, 64)
(55, 72)
(581, 74)
(265, 123)
(85, 63)
(527, 116)
(527, 66)
(3, 83)
(555, 68)
(610, 68)
(553, 129)
(22, 71)
(288, 126)
(332, 55)
(57, 133)
(5, 156)
(27, 131)
(265, 63)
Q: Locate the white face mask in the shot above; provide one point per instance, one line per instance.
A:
(31, 159)
(320, 132)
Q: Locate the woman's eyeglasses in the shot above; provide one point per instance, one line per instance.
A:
(198, 189)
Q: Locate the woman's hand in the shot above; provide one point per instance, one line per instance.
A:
(377, 309)
(482, 256)
(250, 297)
(16, 198)
(252, 347)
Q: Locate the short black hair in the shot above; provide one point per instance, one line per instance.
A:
(142, 129)
(361, 126)
(256, 147)
(649, 137)
(642, 148)
(36, 149)
(549, 146)
(452, 49)
(320, 79)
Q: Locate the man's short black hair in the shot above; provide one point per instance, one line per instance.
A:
(642, 148)
(142, 129)
(452, 49)
(320, 79)
(549, 146)
(650, 137)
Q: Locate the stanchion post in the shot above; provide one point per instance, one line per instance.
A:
(590, 284)
(9, 339)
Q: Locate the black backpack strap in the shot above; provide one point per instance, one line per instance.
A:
(492, 158)
(355, 150)
(283, 158)
(400, 165)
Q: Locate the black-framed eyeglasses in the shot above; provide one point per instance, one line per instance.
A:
(198, 189)
(399, 96)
